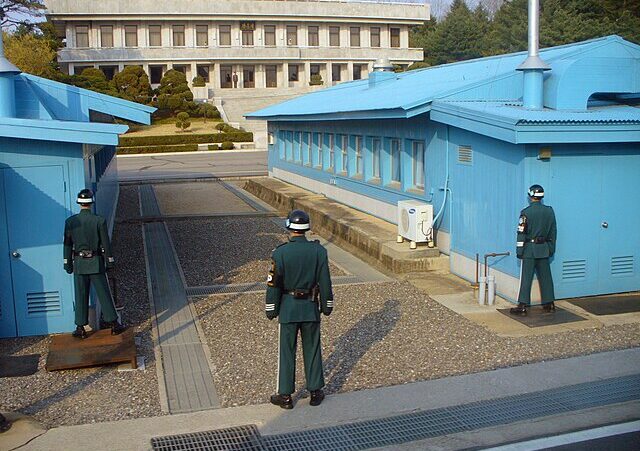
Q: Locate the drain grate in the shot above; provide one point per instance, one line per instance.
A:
(239, 438)
(255, 287)
(425, 424)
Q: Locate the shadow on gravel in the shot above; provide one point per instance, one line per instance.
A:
(357, 341)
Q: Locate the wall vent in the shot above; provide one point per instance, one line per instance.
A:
(622, 266)
(574, 270)
(465, 155)
(43, 302)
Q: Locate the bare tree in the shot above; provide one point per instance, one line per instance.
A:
(491, 6)
(16, 12)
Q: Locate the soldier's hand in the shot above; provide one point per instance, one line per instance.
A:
(271, 315)
(327, 311)
(68, 269)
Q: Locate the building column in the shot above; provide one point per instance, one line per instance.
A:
(194, 72)
(260, 76)
(214, 76)
(306, 77)
(329, 81)
(349, 71)
(285, 75)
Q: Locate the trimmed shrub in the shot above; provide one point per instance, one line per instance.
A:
(133, 84)
(174, 93)
(137, 141)
(198, 82)
(316, 79)
(227, 145)
(206, 110)
(157, 149)
(214, 147)
(220, 126)
(182, 121)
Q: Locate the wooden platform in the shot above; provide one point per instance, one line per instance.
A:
(99, 348)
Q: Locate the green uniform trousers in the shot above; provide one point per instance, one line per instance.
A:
(83, 284)
(542, 268)
(311, 352)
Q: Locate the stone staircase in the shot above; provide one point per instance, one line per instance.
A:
(234, 104)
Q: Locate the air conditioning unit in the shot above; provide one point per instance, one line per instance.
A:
(414, 221)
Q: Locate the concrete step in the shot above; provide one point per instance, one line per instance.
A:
(366, 236)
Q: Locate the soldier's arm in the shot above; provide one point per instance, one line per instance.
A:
(105, 242)
(67, 249)
(274, 286)
(521, 235)
(324, 281)
(553, 233)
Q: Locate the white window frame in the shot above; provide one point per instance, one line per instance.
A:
(358, 154)
(332, 151)
(395, 152)
(417, 162)
(344, 151)
(375, 157)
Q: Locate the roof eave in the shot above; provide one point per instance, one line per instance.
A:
(61, 131)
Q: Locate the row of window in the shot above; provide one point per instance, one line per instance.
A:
(374, 159)
(224, 36)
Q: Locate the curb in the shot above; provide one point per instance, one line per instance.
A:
(199, 152)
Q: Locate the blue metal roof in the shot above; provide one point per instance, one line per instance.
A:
(410, 93)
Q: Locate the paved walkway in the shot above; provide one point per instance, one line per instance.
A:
(559, 377)
(186, 383)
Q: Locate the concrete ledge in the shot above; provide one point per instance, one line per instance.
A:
(366, 236)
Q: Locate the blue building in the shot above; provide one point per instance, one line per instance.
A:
(50, 149)
(470, 138)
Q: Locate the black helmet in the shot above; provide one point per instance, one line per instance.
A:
(536, 191)
(298, 220)
(85, 197)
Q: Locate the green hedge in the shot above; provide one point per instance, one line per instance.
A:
(137, 141)
(157, 149)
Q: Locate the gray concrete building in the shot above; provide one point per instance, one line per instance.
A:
(238, 44)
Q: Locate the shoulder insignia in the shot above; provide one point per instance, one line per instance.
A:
(522, 223)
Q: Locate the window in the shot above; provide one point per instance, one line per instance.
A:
(292, 35)
(418, 164)
(309, 144)
(293, 72)
(354, 36)
(336, 72)
(180, 68)
(319, 142)
(314, 69)
(109, 71)
(131, 36)
(79, 69)
(270, 35)
(332, 151)
(155, 36)
(178, 36)
(271, 71)
(106, 36)
(344, 148)
(82, 36)
(202, 35)
(247, 37)
(224, 34)
(203, 71)
(313, 35)
(248, 76)
(395, 160)
(334, 36)
(155, 74)
(375, 36)
(395, 37)
(358, 154)
(357, 72)
(375, 158)
(225, 76)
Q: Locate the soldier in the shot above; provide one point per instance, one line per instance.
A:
(87, 254)
(298, 289)
(5, 424)
(535, 244)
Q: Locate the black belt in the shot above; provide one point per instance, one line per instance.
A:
(299, 294)
(538, 240)
(87, 254)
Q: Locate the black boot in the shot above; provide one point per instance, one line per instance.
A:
(316, 397)
(283, 401)
(79, 332)
(5, 424)
(117, 328)
(521, 310)
(549, 307)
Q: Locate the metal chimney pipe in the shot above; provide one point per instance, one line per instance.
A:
(7, 86)
(533, 67)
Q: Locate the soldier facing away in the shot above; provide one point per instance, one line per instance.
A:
(536, 243)
(298, 289)
(87, 254)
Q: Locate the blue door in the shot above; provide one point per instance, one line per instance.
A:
(36, 209)
(7, 313)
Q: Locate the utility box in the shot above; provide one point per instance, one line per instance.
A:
(414, 221)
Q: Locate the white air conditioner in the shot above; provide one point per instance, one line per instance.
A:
(414, 221)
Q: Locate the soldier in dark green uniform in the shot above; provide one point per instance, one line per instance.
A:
(536, 242)
(298, 277)
(87, 254)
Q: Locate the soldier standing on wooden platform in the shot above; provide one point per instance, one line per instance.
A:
(298, 289)
(536, 243)
(87, 254)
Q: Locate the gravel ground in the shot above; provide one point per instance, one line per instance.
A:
(379, 335)
(215, 258)
(96, 394)
(128, 203)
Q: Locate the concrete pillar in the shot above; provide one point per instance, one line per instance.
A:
(285, 75)
(189, 34)
(349, 71)
(260, 78)
(306, 74)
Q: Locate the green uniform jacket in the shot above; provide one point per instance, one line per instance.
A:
(536, 221)
(298, 265)
(86, 232)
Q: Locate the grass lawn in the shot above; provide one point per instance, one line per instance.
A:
(168, 127)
